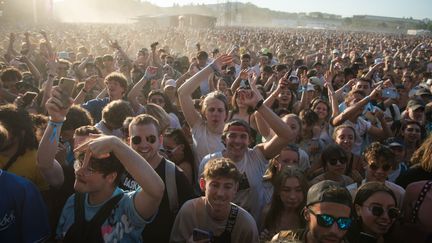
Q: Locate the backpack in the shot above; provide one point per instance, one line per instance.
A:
(89, 231)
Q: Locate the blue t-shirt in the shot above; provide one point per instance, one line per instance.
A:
(23, 213)
(95, 107)
(123, 225)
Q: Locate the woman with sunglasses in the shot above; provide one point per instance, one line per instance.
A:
(178, 150)
(334, 161)
(289, 198)
(376, 210)
(380, 159)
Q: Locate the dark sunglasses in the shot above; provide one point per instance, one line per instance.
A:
(376, 166)
(137, 139)
(341, 161)
(377, 211)
(325, 220)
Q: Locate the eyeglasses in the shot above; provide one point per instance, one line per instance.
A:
(325, 220)
(137, 139)
(85, 171)
(376, 166)
(377, 211)
(341, 161)
(170, 151)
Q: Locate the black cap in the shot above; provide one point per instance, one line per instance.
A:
(328, 191)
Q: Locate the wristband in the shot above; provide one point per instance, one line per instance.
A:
(368, 98)
(259, 104)
(56, 126)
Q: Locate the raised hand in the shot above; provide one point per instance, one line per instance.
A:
(54, 105)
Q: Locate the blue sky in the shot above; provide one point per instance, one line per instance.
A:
(418, 9)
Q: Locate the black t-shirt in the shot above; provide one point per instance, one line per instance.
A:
(160, 229)
(412, 175)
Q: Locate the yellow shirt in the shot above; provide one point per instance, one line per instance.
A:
(25, 166)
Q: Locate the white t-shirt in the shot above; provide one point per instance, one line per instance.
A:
(250, 195)
(204, 141)
(193, 214)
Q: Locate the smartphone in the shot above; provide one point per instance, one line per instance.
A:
(66, 85)
(294, 79)
(28, 98)
(63, 55)
(244, 84)
(389, 93)
(199, 234)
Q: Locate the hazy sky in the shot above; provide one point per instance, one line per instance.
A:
(418, 9)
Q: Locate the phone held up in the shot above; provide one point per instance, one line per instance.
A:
(67, 86)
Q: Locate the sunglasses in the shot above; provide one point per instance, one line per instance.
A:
(376, 166)
(325, 220)
(377, 211)
(137, 139)
(341, 161)
(170, 151)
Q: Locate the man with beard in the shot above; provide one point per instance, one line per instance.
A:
(327, 214)
(251, 163)
(214, 215)
(145, 138)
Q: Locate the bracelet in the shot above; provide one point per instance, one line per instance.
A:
(259, 104)
(56, 126)
(368, 98)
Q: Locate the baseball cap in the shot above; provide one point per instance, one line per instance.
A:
(316, 81)
(170, 83)
(415, 104)
(394, 142)
(421, 92)
(328, 191)
(335, 51)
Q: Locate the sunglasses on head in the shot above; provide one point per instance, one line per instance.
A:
(170, 151)
(325, 220)
(377, 211)
(376, 166)
(137, 139)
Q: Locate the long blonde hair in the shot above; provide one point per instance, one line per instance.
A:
(423, 155)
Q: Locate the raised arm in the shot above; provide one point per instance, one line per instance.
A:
(137, 88)
(283, 131)
(185, 91)
(49, 167)
(146, 200)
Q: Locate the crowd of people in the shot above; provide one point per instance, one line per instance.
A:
(125, 133)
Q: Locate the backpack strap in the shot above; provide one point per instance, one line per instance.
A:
(171, 185)
(420, 199)
(104, 212)
(231, 218)
(79, 208)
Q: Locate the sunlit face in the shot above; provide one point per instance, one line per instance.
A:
(287, 158)
(291, 193)
(345, 137)
(321, 110)
(416, 114)
(295, 127)
(88, 180)
(149, 142)
(114, 89)
(221, 85)
(215, 112)
(372, 224)
(219, 192)
(284, 97)
(236, 142)
(363, 86)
